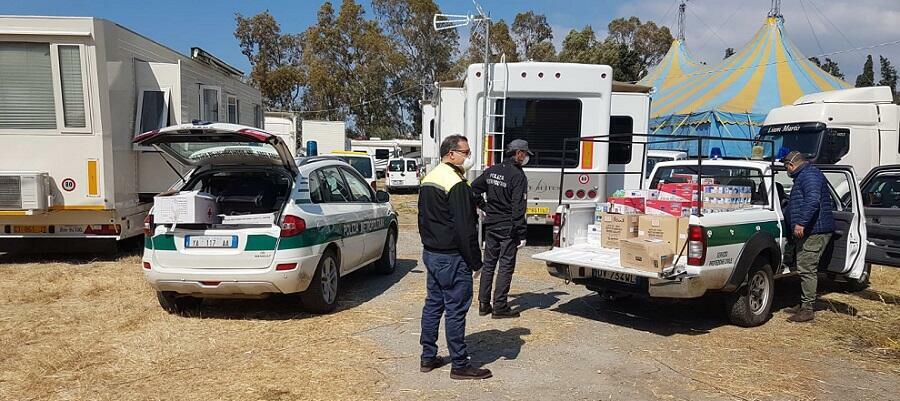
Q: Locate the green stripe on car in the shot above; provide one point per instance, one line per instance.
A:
(739, 233)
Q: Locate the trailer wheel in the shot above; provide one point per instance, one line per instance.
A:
(751, 304)
(321, 296)
(177, 305)
(856, 285)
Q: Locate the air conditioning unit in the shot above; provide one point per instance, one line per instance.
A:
(24, 191)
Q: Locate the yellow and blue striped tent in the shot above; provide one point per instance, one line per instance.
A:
(731, 99)
(673, 68)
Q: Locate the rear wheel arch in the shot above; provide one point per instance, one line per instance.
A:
(761, 248)
(335, 250)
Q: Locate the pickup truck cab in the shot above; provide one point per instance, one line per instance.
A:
(285, 227)
(738, 253)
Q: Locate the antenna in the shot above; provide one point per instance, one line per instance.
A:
(681, 11)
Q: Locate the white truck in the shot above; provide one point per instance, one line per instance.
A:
(329, 136)
(74, 91)
(857, 127)
(738, 254)
(544, 103)
(284, 125)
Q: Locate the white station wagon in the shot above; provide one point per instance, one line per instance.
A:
(286, 227)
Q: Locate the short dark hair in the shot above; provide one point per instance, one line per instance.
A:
(793, 157)
(451, 143)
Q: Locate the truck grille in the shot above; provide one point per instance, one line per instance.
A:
(10, 192)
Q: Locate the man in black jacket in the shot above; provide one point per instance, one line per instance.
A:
(448, 228)
(505, 187)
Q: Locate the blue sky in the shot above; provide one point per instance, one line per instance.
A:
(817, 26)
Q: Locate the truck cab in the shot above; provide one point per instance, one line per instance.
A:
(856, 127)
(737, 253)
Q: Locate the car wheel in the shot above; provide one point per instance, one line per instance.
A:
(176, 304)
(861, 283)
(321, 296)
(751, 304)
(388, 261)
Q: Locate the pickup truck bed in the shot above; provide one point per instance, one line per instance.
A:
(595, 257)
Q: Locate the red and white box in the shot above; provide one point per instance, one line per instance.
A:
(627, 204)
(684, 190)
(642, 193)
(677, 208)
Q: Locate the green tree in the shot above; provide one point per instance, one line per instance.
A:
(427, 56)
(533, 36)
(729, 52)
(272, 57)
(831, 67)
(816, 61)
(580, 47)
(867, 78)
(501, 43)
(888, 75)
(646, 45)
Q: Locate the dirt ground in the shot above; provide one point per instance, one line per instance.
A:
(73, 329)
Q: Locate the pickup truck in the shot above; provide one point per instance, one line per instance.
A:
(738, 254)
(881, 199)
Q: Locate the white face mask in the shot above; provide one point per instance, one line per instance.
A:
(526, 160)
(468, 163)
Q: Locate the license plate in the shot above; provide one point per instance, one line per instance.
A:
(397, 182)
(210, 241)
(537, 210)
(29, 229)
(614, 276)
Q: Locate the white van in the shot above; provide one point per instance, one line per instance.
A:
(402, 174)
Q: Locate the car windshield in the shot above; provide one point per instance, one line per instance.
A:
(883, 191)
(361, 164)
(395, 166)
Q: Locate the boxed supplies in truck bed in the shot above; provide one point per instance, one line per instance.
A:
(189, 207)
(616, 227)
(672, 230)
(645, 254)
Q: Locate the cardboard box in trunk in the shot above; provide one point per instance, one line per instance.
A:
(616, 227)
(672, 230)
(645, 254)
(190, 207)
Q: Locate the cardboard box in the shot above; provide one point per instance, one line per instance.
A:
(616, 227)
(662, 228)
(683, 224)
(642, 193)
(253, 219)
(645, 254)
(626, 204)
(191, 207)
(594, 234)
(677, 208)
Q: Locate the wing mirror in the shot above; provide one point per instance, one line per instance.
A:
(382, 196)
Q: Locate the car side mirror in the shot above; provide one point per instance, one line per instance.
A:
(382, 196)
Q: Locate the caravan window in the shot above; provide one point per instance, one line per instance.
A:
(209, 103)
(153, 110)
(620, 130)
(234, 110)
(72, 86)
(26, 93)
(544, 123)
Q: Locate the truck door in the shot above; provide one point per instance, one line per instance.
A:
(845, 254)
(881, 199)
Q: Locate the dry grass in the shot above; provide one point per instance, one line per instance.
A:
(95, 331)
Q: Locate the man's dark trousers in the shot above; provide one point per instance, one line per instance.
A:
(499, 255)
(449, 286)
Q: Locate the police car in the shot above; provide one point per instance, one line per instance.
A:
(285, 228)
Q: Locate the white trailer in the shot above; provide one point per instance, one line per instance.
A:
(857, 127)
(547, 102)
(284, 125)
(429, 150)
(75, 90)
(329, 136)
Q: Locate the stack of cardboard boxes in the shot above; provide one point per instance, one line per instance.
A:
(649, 227)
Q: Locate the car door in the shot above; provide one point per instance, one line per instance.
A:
(344, 215)
(881, 200)
(372, 228)
(845, 254)
(412, 173)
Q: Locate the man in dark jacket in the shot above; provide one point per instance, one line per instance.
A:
(812, 223)
(505, 187)
(447, 226)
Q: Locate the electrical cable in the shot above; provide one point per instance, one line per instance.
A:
(416, 87)
(811, 27)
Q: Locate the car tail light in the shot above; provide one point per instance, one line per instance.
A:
(592, 194)
(103, 229)
(580, 194)
(147, 265)
(570, 193)
(285, 266)
(557, 224)
(696, 246)
(148, 225)
(292, 225)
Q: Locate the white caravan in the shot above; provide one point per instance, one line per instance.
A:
(283, 124)
(548, 102)
(430, 151)
(75, 91)
(857, 127)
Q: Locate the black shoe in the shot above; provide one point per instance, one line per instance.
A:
(484, 308)
(469, 373)
(803, 316)
(504, 313)
(432, 364)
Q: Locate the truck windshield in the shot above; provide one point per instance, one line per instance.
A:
(545, 124)
(722, 175)
(802, 137)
